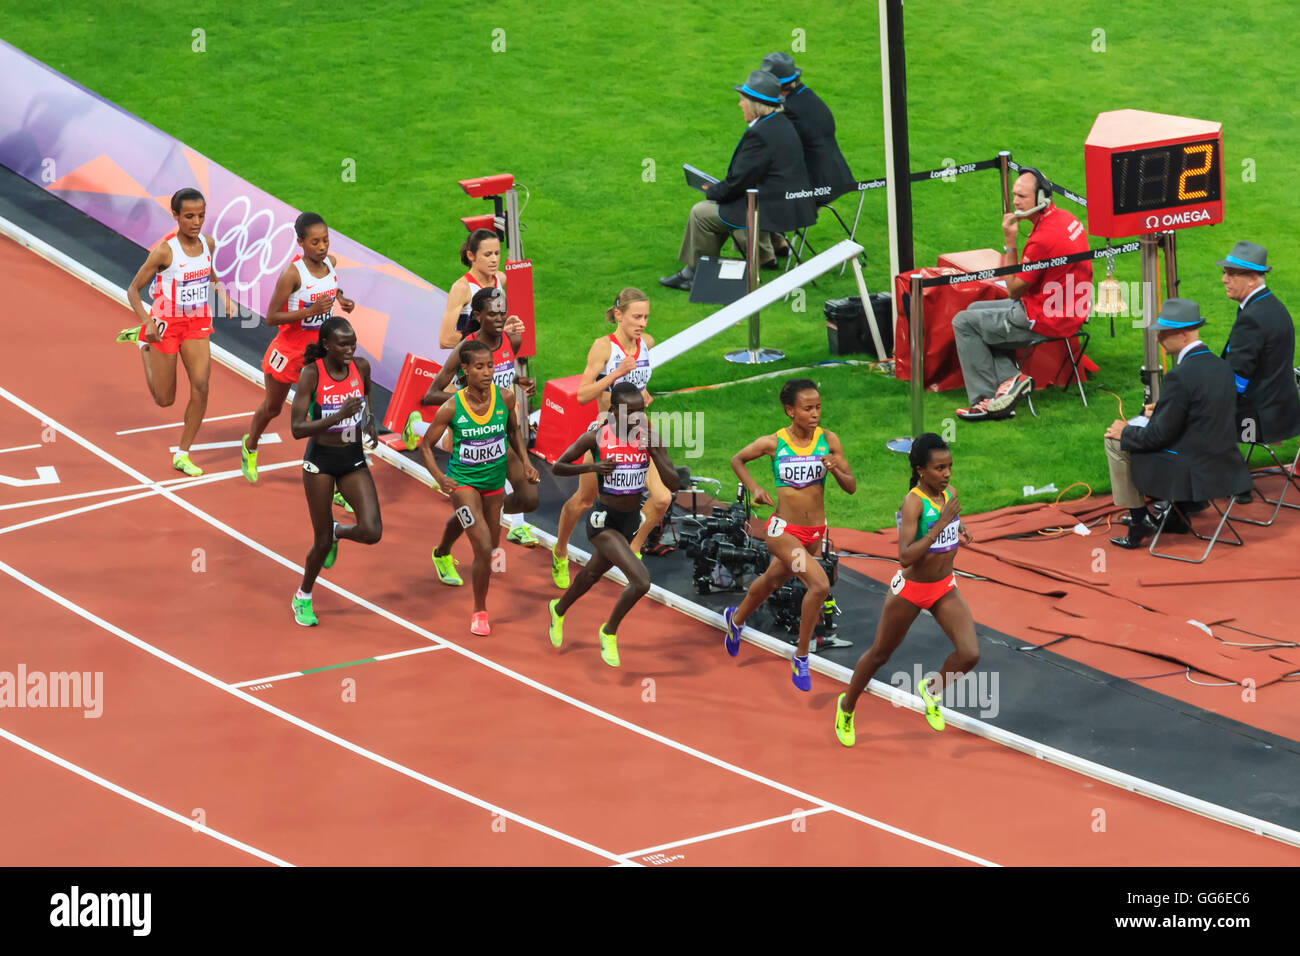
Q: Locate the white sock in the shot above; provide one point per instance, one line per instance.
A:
(420, 427)
(303, 595)
(336, 531)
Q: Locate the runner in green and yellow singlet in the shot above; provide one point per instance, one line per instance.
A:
(481, 417)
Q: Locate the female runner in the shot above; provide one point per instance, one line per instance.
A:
(331, 410)
(304, 294)
(928, 532)
(622, 356)
(481, 417)
(482, 253)
(489, 309)
(623, 448)
(179, 321)
(802, 455)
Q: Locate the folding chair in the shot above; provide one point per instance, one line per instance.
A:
(1213, 539)
(1290, 476)
(1072, 358)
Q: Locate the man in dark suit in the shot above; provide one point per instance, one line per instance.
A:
(828, 172)
(1187, 451)
(1260, 349)
(768, 157)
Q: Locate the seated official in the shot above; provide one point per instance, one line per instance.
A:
(1260, 349)
(1187, 452)
(828, 172)
(768, 157)
(1047, 303)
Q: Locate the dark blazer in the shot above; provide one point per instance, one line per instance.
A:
(769, 156)
(815, 125)
(1188, 451)
(1261, 351)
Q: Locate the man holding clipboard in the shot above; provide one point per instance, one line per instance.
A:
(769, 156)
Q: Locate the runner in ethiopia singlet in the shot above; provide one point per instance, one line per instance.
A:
(180, 297)
(284, 358)
(639, 376)
(478, 445)
(630, 468)
(948, 538)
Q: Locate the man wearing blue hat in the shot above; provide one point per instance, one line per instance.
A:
(768, 157)
(812, 119)
(1187, 451)
(1260, 349)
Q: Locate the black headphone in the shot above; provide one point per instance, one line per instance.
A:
(1044, 185)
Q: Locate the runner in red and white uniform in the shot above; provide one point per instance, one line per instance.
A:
(304, 295)
(482, 253)
(622, 356)
(179, 274)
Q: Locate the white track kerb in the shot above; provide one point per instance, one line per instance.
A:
(893, 694)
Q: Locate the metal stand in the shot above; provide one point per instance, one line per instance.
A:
(755, 354)
(916, 341)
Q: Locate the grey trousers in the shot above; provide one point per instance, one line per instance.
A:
(1123, 490)
(705, 234)
(983, 327)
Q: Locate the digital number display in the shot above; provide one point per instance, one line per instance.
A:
(1165, 177)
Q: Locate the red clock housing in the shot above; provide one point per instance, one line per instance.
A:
(1151, 172)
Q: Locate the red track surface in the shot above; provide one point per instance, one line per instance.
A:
(495, 750)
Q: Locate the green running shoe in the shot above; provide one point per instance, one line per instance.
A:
(557, 625)
(522, 534)
(247, 461)
(560, 570)
(931, 705)
(340, 500)
(446, 568)
(303, 613)
(844, 724)
(608, 647)
(129, 335)
(181, 462)
(409, 438)
(332, 556)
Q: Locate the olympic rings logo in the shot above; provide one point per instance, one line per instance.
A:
(257, 253)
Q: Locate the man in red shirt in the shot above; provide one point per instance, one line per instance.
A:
(1046, 303)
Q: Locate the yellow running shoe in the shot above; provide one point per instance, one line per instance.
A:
(181, 462)
(522, 534)
(608, 647)
(340, 500)
(557, 625)
(931, 705)
(247, 461)
(559, 570)
(844, 724)
(446, 568)
(129, 335)
(409, 438)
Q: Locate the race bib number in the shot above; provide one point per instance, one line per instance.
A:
(482, 451)
(162, 326)
(194, 293)
(310, 467)
(775, 526)
(896, 583)
(465, 516)
(278, 360)
(598, 516)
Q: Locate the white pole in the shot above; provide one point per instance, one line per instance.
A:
(890, 172)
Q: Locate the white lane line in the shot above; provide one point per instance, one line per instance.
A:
(333, 667)
(19, 448)
(492, 665)
(296, 721)
(155, 428)
(797, 815)
(148, 492)
(167, 483)
(270, 438)
(143, 801)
